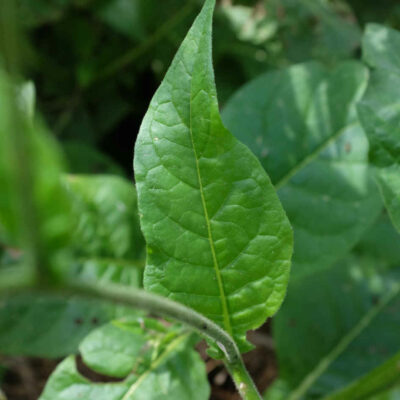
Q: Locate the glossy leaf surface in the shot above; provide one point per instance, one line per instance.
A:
(301, 123)
(380, 112)
(218, 239)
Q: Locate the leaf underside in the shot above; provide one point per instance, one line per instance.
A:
(218, 238)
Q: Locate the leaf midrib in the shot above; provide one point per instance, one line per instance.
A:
(314, 154)
(155, 364)
(225, 311)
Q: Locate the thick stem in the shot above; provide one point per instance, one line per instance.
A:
(244, 384)
(165, 307)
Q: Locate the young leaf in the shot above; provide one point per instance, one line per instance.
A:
(113, 349)
(301, 123)
(218, 238)
(177, 372)
(380, 112)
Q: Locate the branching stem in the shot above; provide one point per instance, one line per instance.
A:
(165, 307)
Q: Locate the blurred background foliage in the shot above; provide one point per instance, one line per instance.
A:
(97, 63)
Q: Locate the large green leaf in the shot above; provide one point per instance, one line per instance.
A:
(218, 239)
(380, 112)
(175, 372)
(301, 123)
(335, 326)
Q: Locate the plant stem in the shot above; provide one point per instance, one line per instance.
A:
(164, 307)
(244, 384)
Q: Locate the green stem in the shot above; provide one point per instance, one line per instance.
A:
(244, 384)
(377, 381)
(165, 307)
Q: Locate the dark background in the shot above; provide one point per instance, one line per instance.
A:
(97, 63)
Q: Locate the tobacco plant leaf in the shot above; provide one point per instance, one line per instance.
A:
(379, 112)
(176, 372)
(108, 244)
(304, 130)
(218, 238)
(50, 326)
(113, 349)
(349, 327)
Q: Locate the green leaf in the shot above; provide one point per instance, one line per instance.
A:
(393, 394)
(49, 326)
(108, 244)
(381, 243)
(218, 239)
(380, 112)
(335, 326)
(113, 349)
(377, 381)
(108, 218)
(301, 124)
(177, 372)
